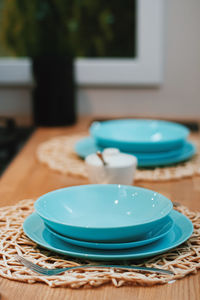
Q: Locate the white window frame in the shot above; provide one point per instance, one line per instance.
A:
(144, 70)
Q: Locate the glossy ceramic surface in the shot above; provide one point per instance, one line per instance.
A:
(152, 236)
(103, 212)
(87, 146)
(35, 229)
(139, 135)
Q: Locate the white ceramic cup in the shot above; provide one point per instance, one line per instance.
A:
(119, 168)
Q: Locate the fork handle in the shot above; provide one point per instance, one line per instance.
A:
(145, 269)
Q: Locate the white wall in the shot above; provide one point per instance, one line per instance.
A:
(180, 93)
(179, 96)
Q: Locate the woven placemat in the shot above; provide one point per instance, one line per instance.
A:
(183, 260)
(58, 154)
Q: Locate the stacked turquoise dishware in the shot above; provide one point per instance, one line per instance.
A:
(107, 222)
(153, 142)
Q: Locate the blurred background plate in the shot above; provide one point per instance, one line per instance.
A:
(87, 146)
(139, 135)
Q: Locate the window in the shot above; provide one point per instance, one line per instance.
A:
(144, 69)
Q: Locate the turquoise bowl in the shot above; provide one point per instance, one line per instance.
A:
(98, 212)
(139, 135)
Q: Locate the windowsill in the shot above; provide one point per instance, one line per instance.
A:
(88, 72)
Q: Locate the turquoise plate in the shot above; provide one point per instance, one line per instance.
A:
(152, 236)
(35, 229)
(103, 212)
(87, 146)
(139, 135)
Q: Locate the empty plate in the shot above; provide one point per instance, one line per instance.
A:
(35, 229)
(139, 135)
(148, 238)
(87, 146)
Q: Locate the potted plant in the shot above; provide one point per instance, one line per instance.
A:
(37, 29)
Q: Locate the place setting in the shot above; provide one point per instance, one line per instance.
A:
(164, 150)
(101, 231)
(107, 222)
(154, 142)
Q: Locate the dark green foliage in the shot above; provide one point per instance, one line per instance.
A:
(86, 28)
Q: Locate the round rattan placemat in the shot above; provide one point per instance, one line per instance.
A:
(58, 154)
(183, 260)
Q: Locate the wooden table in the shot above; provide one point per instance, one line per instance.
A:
(26, 178)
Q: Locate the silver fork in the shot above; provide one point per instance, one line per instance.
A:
(55, 271)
